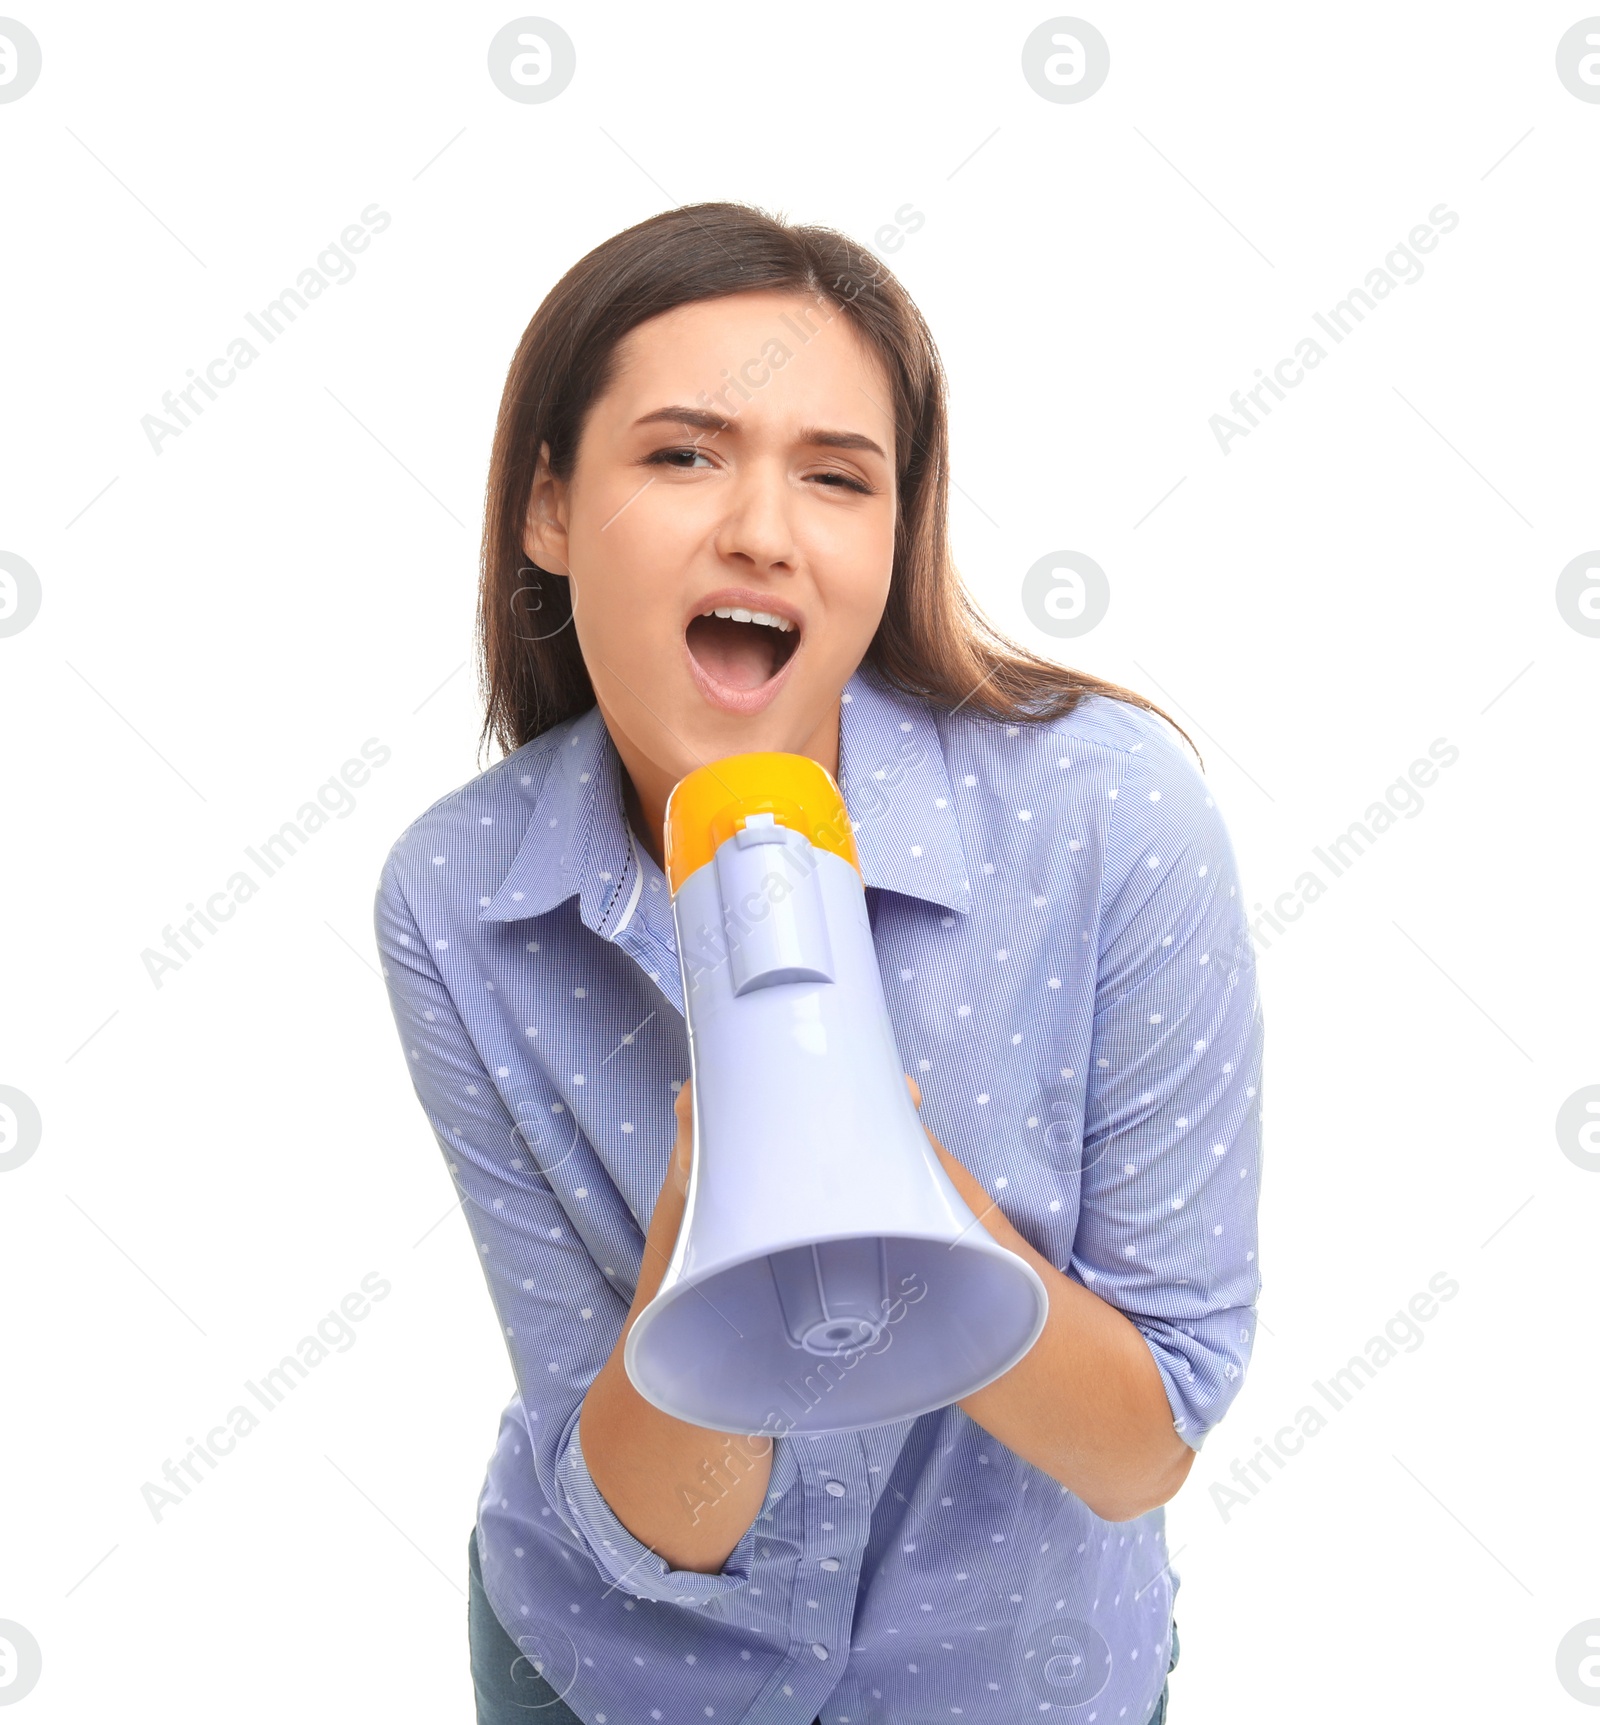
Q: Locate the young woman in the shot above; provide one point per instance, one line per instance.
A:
(716, 523)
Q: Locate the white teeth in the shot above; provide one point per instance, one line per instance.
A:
(740, 615)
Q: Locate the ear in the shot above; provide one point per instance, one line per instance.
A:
(544, 533)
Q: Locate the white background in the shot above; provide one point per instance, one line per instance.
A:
(223, 624)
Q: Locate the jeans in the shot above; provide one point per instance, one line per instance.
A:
(505, 1685)
(508, 1691)
(1159, 1717)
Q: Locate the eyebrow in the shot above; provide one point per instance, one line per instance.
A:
(715, 423)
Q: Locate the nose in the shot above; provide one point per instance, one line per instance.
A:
(757, 530)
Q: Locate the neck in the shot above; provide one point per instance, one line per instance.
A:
(646, 785)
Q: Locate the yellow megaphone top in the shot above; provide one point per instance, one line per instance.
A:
(712, 803)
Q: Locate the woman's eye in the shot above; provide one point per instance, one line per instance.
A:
(847, 480)
(832, 478)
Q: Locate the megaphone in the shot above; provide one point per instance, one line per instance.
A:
(827, 1275)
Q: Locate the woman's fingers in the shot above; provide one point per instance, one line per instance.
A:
(683, 1148)
(916, 1092)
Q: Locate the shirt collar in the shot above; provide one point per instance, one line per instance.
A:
(891, 770)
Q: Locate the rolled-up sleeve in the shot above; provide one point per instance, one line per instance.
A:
(633, 1565)
(559, 1314)
(1172, 1127)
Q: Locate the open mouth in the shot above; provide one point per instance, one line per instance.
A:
(741, 649)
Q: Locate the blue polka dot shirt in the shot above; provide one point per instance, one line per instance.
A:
(1065, 955)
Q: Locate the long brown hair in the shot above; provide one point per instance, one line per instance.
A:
(932, 642)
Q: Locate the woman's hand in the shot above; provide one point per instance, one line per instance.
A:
(683, 1146)
(966, 1183)
(671, 1200)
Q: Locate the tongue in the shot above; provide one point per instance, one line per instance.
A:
(742, 655)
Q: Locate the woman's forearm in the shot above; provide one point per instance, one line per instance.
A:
(1085, 1404)
(686, 1491)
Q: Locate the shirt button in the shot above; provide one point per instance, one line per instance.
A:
(820, 1651)
(834, 1488)
(830, 1563)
